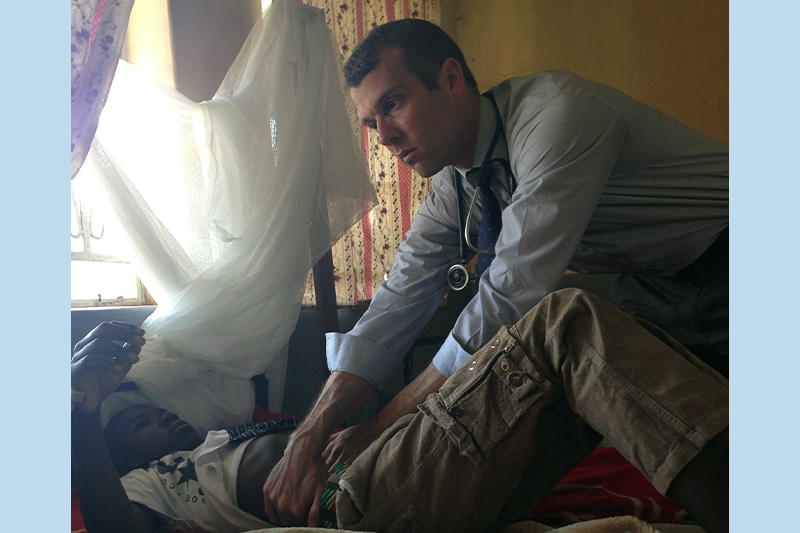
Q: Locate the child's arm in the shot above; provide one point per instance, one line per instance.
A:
(98, 366)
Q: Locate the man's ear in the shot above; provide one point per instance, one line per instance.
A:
(452, 77)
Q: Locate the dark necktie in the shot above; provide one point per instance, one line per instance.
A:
(491, 223)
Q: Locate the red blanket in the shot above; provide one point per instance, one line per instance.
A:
(604, 485)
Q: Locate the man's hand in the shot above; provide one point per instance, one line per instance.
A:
(345, 446)
(102, 359)
(294, 487)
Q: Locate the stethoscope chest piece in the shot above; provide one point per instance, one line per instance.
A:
(457, 277)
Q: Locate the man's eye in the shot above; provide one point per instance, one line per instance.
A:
(391, 104)
(373, 125)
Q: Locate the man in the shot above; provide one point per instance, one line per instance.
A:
(586, 178)
(565, 359)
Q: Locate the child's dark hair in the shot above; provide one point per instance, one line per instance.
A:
(424, 47)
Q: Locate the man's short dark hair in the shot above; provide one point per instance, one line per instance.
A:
(424, 47)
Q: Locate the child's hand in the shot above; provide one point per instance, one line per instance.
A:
(102, 359)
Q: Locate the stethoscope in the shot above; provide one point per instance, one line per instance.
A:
(458, 276)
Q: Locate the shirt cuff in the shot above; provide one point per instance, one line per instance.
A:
(450, 357)
(362, 358)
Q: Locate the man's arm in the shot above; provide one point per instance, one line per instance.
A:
(98, 367)
(293, 489)
(374, 349)
(367, 357)
(346, 445)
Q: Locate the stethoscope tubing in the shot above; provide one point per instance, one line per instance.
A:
(484, 180)
(466, 227)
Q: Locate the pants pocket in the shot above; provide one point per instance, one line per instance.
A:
(489, 395)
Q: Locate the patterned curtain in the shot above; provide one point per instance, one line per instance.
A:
(364, 256)
(98, 32)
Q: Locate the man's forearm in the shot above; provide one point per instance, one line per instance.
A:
(406, 401)
(353, 441)
(342, 395)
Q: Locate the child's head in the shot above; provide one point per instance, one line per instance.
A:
(143, 432)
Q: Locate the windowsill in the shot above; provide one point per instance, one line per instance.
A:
(112, 306)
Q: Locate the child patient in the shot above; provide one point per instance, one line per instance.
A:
(573, 355)
(174, 479)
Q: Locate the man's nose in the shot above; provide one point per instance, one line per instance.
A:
(387, 134)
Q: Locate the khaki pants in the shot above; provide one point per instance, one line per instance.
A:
(528, 407)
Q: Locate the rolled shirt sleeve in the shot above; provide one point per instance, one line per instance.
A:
(450, 356)
(361, 357)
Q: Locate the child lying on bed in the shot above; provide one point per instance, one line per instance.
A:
(462, 463)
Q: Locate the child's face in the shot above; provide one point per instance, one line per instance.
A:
(143, 432)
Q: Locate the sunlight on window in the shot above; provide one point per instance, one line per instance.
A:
(102, 282)
(265, 4)
(100, 273)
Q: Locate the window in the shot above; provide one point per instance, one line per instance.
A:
(101, 274)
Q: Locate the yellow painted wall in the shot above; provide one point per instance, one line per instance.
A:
(670, 54)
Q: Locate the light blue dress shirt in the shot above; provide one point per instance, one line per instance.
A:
(604, 184)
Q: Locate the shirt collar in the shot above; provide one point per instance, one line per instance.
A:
(486, 125)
